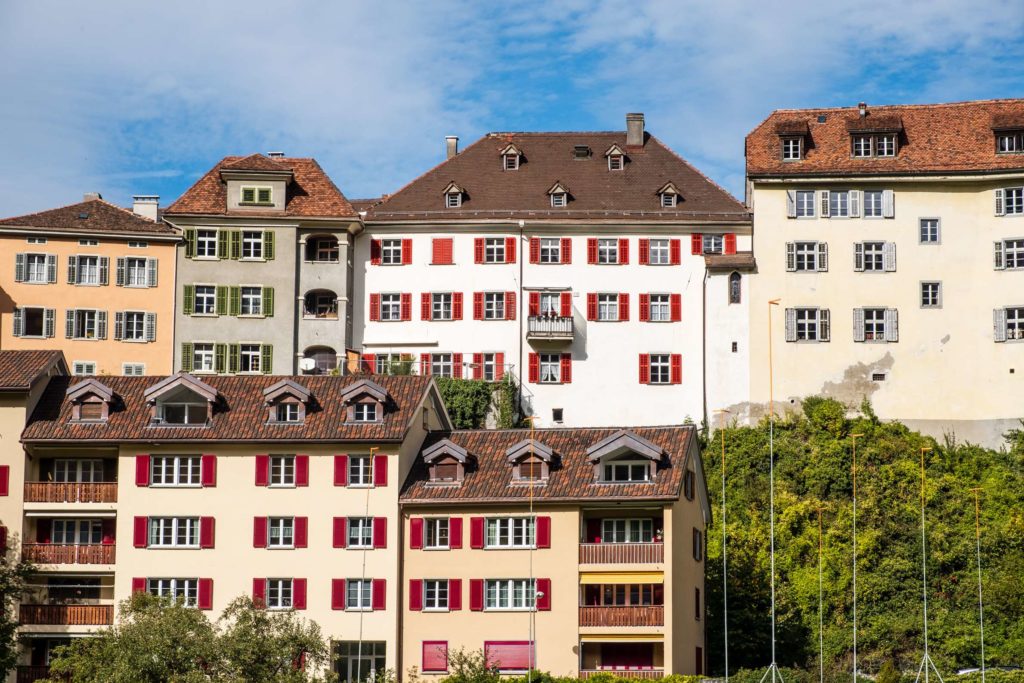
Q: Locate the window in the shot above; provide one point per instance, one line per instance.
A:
(885, 145)
(698, 545)
(391, 252)
(873, 204)
(530, 469)
(435, 594)
(36, 270)
(134, 326)
(806, 256)
(83, 368)
(206, 244)
(36, 240)
(175, 470)
(809, 324)
(88, 243)
(390, 306)
(435, 533)
(627, 531)
(252, 244)
(322, 250)
(735, 288)
(383, 363)
(76, 531)
(1014, 326)
(614, 162)
(805, 204)
(929, 231)
(453, 200)
(550, 250)
(713, 244)
(1010, 142)
(252, 301)
(33, 322)
(280, 532)
(874, 324)
(688, 484)
(365, 412)
(659, 253)
(558, 199)
(511, 162)
(550, 368)
(489, 371)
(931, 295)
(202, 358)
(607, 307)
(282, 470)
(839, 204)
(133, 369)
(509, 594)
(441, 306)
(359, 470)
(861, 145)
(509, 532)
(359, 594)
(550, 303)
(182, 591)
(1010, 254)
(205, 302)
(279, 594)
(249, 358)
(494, 250)
(660, 368)
(660, 308)
(78, 471)
(174, 532)
(137, 245)
(441, 365)
(792, 149)
(135, 270)
(174, 413)
(696, 604)
(607, 251)
(288, 412)
(626, 471)
(668, 200)
(1014, 200)
(874, 256)
(84, 324)
(87, 270)
(321, 304)
(494, 306)
(256, 195)
(557, 414)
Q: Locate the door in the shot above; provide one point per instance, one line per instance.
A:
(360, 669)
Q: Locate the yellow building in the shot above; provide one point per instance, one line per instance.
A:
(92, 280)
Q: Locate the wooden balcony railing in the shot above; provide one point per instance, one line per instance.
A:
(31, 674)
(622, 553)
(67, 615)
(652, 615)
(549, 327)
(55, 553)
(70, 492)
(646, 674)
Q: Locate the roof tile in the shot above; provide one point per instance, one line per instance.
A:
(94, 216)
(19, 369)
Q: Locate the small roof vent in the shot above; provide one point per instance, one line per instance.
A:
(275, 155)
(822, 118)
(581, 152)
(83, 215)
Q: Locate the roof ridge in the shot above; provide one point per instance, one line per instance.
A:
(425, 173)
(932, 105)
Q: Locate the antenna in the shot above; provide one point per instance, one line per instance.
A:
(854, 438)
(981, 604)
(725, 564)
(927, 664)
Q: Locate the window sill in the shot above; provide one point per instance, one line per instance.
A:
(35, 282)
(85, 339)
(280, 547)
(358, 609)
(206, 258)
(250, 315)
(437, 547)
(134, 341)
(175, 486)
(335, 261)
(253, 259)
(281, 486)
(502, 547)
(437, 610)
(204, 315)
(88, 284)
(318, 317)
(257, 204)
(359, 547)
(31, 336)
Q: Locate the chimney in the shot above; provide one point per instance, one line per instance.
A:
(275, 155)
(634, 130)
(146, 205)
(91, 196)
(451, 143)
(863, 108)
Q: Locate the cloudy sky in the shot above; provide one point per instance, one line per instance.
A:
(128, 97)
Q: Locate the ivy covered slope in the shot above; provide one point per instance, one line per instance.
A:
(813, 470)
(471, 401)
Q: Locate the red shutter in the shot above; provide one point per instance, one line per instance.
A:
(139, 584)
(375, 307)
(534, 368)
(298, 594)
(455, 533)
(378, 594)
(208, 470)
(262, 470)
(543, 532)
(510, 250)
(406, 251)
(369, 363)
(676, 368)
(206, 532)
(544, 597)
(380, 470)
(510, 305)
(591, 250)
(425, 306)
(676, 307)
(341, 470)
(406, 302)
(566, 368)
(301, 532)
(259, 532)
(141, 470)
(340, 532)
(623, 306)
(645, 308)
(478, 250)
(416, 533)
(478, 366)
(696, 244)
(730, 243)
(205, 594)
(380, 532)
(302, 470)
(476, 595)
(456, 305)
(476, 532)
(415, 595)
(424, 364)
(623, 250)
(478, 305)
(338, 593)
(566, 304)
(454, 595)
(534, 250)
(499, 366)
(566, 250)
(375, 252)
(645, 251)
(534, 308)
(457, 370)
(259, 592)
(141, 532)
(5, 480)
(675, 252)
(645, 368)
(593, 531)
(3, 539)
(591, 306)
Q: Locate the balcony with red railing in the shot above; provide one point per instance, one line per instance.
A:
(622, 553)
(70, 492)
(57, 553)
(642, 674)
(625, 616)
(66, 615)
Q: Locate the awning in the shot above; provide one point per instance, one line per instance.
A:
(621, 577)
(629, 637)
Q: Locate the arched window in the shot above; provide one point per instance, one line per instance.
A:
(325, 357)
(734, 288)
(321, 303)
(322, 248)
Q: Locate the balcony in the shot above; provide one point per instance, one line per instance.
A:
(622, 553)
(615, 616)
(644, 674)
(66, 615)
(32, 673)
(549, 328)
(54, 553)
(70, 492)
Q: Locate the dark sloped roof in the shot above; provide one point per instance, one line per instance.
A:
(492, 192)
(742, 260)
(20, 369)
(311, 193)
(490, 479)
(92, 216)
(935, 138)
(240, 416)
(256, 162)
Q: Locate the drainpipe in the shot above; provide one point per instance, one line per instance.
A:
(704, 341)
(521, 255)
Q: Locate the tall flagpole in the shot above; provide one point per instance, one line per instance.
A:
(854, 438)
(773, 669)
(725, 564)
(981, 604)
(927, 665)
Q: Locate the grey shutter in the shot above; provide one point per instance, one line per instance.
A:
(892, 325)
(854, 203)
(824, 204)
(104, 270)
(790, 203)
(101, 324)
(69, 324)
(858, 324)
(119, 276)
(151, 272)
(151, 327)
(999, 324)
(1000, 262)
(888, 204)
(19, 267)
(822, 257)
(790, 256)
(19, 317)
(51, 268)
(858, 256)
(72, 269)
(889, 256)
(118, 325)
(1000, 204)
(791, 324)
(49, 322)
(824, 325)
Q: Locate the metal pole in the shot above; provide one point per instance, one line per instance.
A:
(725, 564)
(854, 437)
(981, 604)
(924, 569)
(821, 620)
(771, 469)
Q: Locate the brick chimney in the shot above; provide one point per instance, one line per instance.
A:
(451, 143)
(635, 130)
(146, 205)
(91, 196)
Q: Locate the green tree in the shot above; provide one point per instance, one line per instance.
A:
(14, 575)
(470, 666)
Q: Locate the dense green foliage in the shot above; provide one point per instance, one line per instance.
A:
(813, 470)
(470, 401)
(14, 575)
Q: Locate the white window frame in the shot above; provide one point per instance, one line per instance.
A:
(615, 162)
(510, 162)
(435, 595)
(668, 200)
(206, 243)
(36, 264)
(280, 594)
(250, 301)
(359, 595)
(510, 533)
(86, 320)
(712, 244)
(611, 472)
(281, 532)
(453, 200)
(627, 530)
(134, 267)
(188, 407)
(494, 306)
(179, 591)
(659, 368)
(250, 356)
(808, 252)
(360, 470)
(437, 533)
(287, 412)
(175, 471)
(550, 371)
(183, 532)
(441, 306)
(559, 200)
(929, 299)
(390, 307)
(608, 251)
(876, 323)
(925, 226)
(76, 531)
(281, 471)
(252, 242)
(873, 256)
(659, 252)
(839, 204)
(805, 204)
(204, 357)
(364, 412)
(659, 308)
(208, 297)
(550, 250)
(873, 204)
(136, 321)
(509, 595)
(494, 250)
(133, 369)
(442, 365)
(83, 368)
(78, 470)
(862, 146)
(87, 270)
(1009, 142)
(608, 307)
(391, 251)
(792, 149)
(1013, 201)
(809, 325)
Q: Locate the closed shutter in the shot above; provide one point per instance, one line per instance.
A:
(892, 325)
(406, 303)
(119, 272)
(790, 257)
(730, 243)
(259, 592)
(442, 250)
(223, 248)
(888, 204)
(823, 201)
(824, 325)
(220, 357)
(18, 322)
(208, 470)
(889, 256)
(676, 368)
(378, 590)
(262, 470)
(623, 251)
(186, 357)
(268, 302)
(416, 533)
(509, 655)
(104, 270)
(458, 371)
(566, 368)
(456, 305)
(566, 245)
(69, 323)
(696, 244)
(51, 268)
(858, 256)
(454, 595)
(543, 587)
(645, 307)
(476, 532)
(591, 306)
(375, 307)
(341, 470)
(206, 532)
(205, 598)
(675, 250)
(259, 532)
(791, 324)
(49, 322)
(5, 480)
(645, 368)
(510, 250)
(302, 470)
(534, 373)
(543, 531)
(380, 470)
(591, 250)
(510, 305)
(999, 324)
(298, 594)
(478, 250)
(151, 272)
(455, 533)
(1000, 203)
(72, 269)
(623, 307)
(822, 257)
(854, 203)
(406, 251)
(380, 532)
(534, 250)
(190, 242)
(375, 252)
(339, 531)
(645, 251)
(425, 306)
(338, 594)
(266, 359)
(150, 322)
(141, 532)
(566, 304)
(142, 470)
(476, 595)
(415, 595)
(676, 306)
(19, 268)
(790, 203)
(301, 536)
(188, 299)
(858, 324)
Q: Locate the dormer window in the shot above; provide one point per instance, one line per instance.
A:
(792, 149)
(286, 402)
(531, 469)
(873, 134)
(1010, 141)
(90, 401)
(627, 471)
(181, 399)
(445, 470)
(531, 461)
(287, 412)
(256, 195)
(580, 152)
(625, 457)
(453, 196)
(510, 157)
(183, 412)
(616, 158)
(559, 195)
(883, 145)
(365, 400)
(668, 196)
(365, 412)
(446, 463)
(558, 199)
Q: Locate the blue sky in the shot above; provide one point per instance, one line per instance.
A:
(127, 97)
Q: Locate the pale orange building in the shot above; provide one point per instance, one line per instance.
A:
(93, 280)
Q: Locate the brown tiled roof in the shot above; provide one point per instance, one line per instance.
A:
(256, 162)
(311, 193)
(1008, 121)
(489, 480)
(240, 414)
(20, 369)
(743, 260)
(365, 204)
(935, 138)
(874, 122)
(597, 193)
(94, 216)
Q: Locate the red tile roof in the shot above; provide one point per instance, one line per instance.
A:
(935, 138)
(742, 260)
(241, 414)
(311, 194)
(596, 192)
(489, 480)
(20, 369)
(94, 216)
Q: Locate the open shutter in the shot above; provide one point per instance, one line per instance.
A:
(151, 272)
(101, 324)
(645, 368)
(339, 530)
(499, 366)
(858, 256)
(268, 302)
(119, 271)
(623, 307)
(824, 325)
(142, 470)
(676, 307)
(406, 251)
(415, 595)
(478, 250)
(566, 304)
(416, 533)
(190, 242)
(188, 299)
(206, 532)
(456, 305)
(478, 305)
(623, 251)
(338, 594)
(425, 306)
(378, 594)
(591, 250)
(999, 324)
(236, 244)
(458, 370)
(510, 250)
(424, 364)
(380, 532)
(219, 358)
(298, 594)
(790, 257)
(591, 306)
(791, 324)
(208, 470)
(406, 306)
(266, 358)
(104, 270)
(375, 251)
(259, 532)
(543, 587)
(454, 595)
(51, 268)
(676, 368)
(302, 470)
(72, 269)
(854, 203)
(205, 598)
(889, 256)
(476, 532)
(374, 307)
(888, 204)
(1000, 262)
(380, 470)
(222, 244)
(1000, 202)
(139, 584)
(822, 257)
(262, 470)
(534, 250)
(478, 366)
(69, 323)
(790, 203)
(645, 307)
(510, 306)
(259, 592)
(141, 532)
(221, 300)
(644, 257)
(824, 204)
(892, 326)
(534, 374)
(19, 318)
(234, 300)
(49, 322)
(729, 243)
(455, 533)
(675, 251)
(533, 306)
(476, 595)
(858, 324)
(19, 268)
(566, 249)
(301, 536)
(341, 470)
(543, 531)
(186, 357)
(566, 368)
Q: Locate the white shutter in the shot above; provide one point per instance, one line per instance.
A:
(790, 256)
(19, 318)
(119, 277)
(151, 327)
(19, 267)
(104, 270)
(892, 327)
(69, 324)
(854, 203)
(51, 268)
(824, 204)
(888, 204)
(72, 269)
(858, 256)
(151, 273)
(824, 325)
(999, 324)
(49, 321)
(822, 257)
(790, 203)
(118, 325)
(101, 324)
(1000, 204)
(1000, 262)
(858, 324)
(889, 257)
(791, 324)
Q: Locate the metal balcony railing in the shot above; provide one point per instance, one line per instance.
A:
(549, 327)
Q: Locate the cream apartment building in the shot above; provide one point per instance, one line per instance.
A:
(893, 238)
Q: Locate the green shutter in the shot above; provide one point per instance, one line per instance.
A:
(188, 301)
(266, 358)
(222, 244)
(268, 245)
(186, 357)
(234, 300)
(236, 244)
(233, 354)
(268, 302)
(190, 242)
(222, 300)
(219, 353)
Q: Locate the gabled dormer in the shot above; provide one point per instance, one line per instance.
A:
(511, 157)
(364, 401)
(181, 400)
(625, 458)
(446, 463)
(531, 462)
(559, 195)
(669, 195)
(90, 401)
(257, 182)
(453, 196)
(616, 158)
(286, 402)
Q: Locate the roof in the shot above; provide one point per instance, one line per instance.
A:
(933, 138)
(19, 370)
(742, 260)
(548, 158)
(490, 479)
(311, 194)
(94, 216)
(365, 204)
(240, 413)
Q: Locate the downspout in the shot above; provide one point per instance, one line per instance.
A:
(704, 342)
(519, 317)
